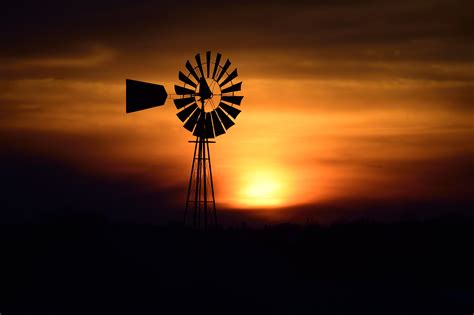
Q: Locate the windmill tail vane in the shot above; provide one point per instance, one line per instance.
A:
(207, 103)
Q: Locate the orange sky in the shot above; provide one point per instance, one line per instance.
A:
(337, 109)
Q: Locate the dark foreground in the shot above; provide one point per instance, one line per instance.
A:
(88, 266)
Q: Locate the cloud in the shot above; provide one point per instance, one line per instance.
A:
(93, 58)
(383, 30)
(37, 188)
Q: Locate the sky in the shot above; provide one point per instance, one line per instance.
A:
(352, 109)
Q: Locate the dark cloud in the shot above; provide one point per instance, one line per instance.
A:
(443, 178)
(39, 188)
(359, 31)
(324, 22)
(373, 209)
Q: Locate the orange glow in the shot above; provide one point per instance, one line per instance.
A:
(313, 141)
(262, 189)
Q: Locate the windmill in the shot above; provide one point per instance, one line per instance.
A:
(206, 106)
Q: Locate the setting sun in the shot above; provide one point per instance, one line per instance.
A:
(263, 188)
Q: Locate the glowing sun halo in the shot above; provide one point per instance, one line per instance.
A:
(262, 189)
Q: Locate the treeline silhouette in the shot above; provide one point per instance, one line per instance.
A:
(83, 264)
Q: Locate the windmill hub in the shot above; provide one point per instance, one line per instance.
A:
(205, 91)
(209, 94)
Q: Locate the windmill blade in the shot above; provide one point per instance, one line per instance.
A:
(226, 121)
(231, 77)
(186, 80)
(191, 70)
(232, 111)
(233, 88)
(143, 95)
(199, 63)
(208, 130)
(208, 63)
(192, 120)
(183, 91)
(185, 113)
(218, 128)
(216, 65)
(199, 130)
(233, 99)
(181, 102)
(223, 71)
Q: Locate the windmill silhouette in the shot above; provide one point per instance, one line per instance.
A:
(205, 101)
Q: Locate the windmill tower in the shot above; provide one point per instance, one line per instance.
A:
(206, 105)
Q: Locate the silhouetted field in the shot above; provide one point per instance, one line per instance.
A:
(85, 265)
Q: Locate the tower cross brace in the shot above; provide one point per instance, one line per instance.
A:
(200, 200)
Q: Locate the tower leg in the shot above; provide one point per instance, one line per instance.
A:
(212, 186)
(200, 195)
(190, 183)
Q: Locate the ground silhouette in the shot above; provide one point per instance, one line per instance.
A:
(83, 265)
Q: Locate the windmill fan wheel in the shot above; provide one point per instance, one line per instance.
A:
(206, 100)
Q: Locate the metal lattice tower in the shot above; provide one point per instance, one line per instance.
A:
(200, 198)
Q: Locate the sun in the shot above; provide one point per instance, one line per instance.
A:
(262, 189)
